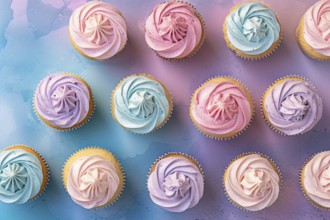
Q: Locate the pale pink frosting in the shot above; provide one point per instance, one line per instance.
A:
(317, 27)
(173, 30)
(252, 182)
(316, 179)
(92, 181)
(98, 29)
(221, 108)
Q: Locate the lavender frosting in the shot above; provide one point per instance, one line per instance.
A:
(63, 100)
(176, 184)
(293, 107)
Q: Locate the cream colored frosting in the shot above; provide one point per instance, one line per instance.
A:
(98, 29)
(316, 179)
(92, 182)
(252, 182)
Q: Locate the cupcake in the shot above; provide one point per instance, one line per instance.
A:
(174, 30)
(97, 30)
(221, 108)
(313, 31)
(176, 182)
(23, 174)
(315, 181)
(292, 106)
(63, 101)
(141, 104)
(252, 30)
(93, 177)
(252, 182)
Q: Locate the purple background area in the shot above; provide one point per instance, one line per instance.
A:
(34, 43)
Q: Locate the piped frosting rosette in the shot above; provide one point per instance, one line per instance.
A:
(252, 182)
(292, 106)
(221, 108)
(174, 30)
(21, 176)
(63, 101)
(98, 30)
(317, 27)
(141, 104)
(315, 179)
(176, 182)
(253, 29)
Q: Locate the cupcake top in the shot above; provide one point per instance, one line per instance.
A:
(252, 28)
(63, 100)
(292, 106)
(98, 30)
(21, 176)
(316, 179)
(173, 29)
(141, 104)
(317, 27)
(252, 182)
(92, 181)
(221, 107)
(176, 183)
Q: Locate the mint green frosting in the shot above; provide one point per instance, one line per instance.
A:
(20, 176)
(253, 28)
(140, 104)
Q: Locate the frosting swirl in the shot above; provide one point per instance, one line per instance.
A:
(63, 100)
(176, 184)
(173, 29)
(252, 182)
(252, 28)
(98, 29)
(317, 27)
(92, 181)
(20, 176)
(316, 179)
(221, 108)
(140, 104)
(293, 106)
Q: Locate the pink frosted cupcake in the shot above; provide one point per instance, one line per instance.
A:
(174, 30)
(98, 30)
(221, 108)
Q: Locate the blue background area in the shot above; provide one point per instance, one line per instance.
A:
(34, 43)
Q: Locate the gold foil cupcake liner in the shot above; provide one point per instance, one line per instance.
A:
(224, 137)
(263, 55)
(301, 183)
(80, 124)
(198, 46)
(120, 166)
(270, 160)
(167, 93)
(42, 162)
(263, 110)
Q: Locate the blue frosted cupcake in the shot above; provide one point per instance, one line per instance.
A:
(141, 104)
(252, 30)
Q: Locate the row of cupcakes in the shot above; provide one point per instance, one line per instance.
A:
(94, 178)
(175, 30)
(221, 108)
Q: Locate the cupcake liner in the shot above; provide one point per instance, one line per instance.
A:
(42, 162)
(167, 93)
(271, 161)
(263, 55)
(199, 45)
(79, 125)
(224, 137)
(120, 166)
(265, 117)
(301, 183)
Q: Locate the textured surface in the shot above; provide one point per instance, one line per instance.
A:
(34, 43)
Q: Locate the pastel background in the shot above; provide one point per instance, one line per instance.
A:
(34, 43)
